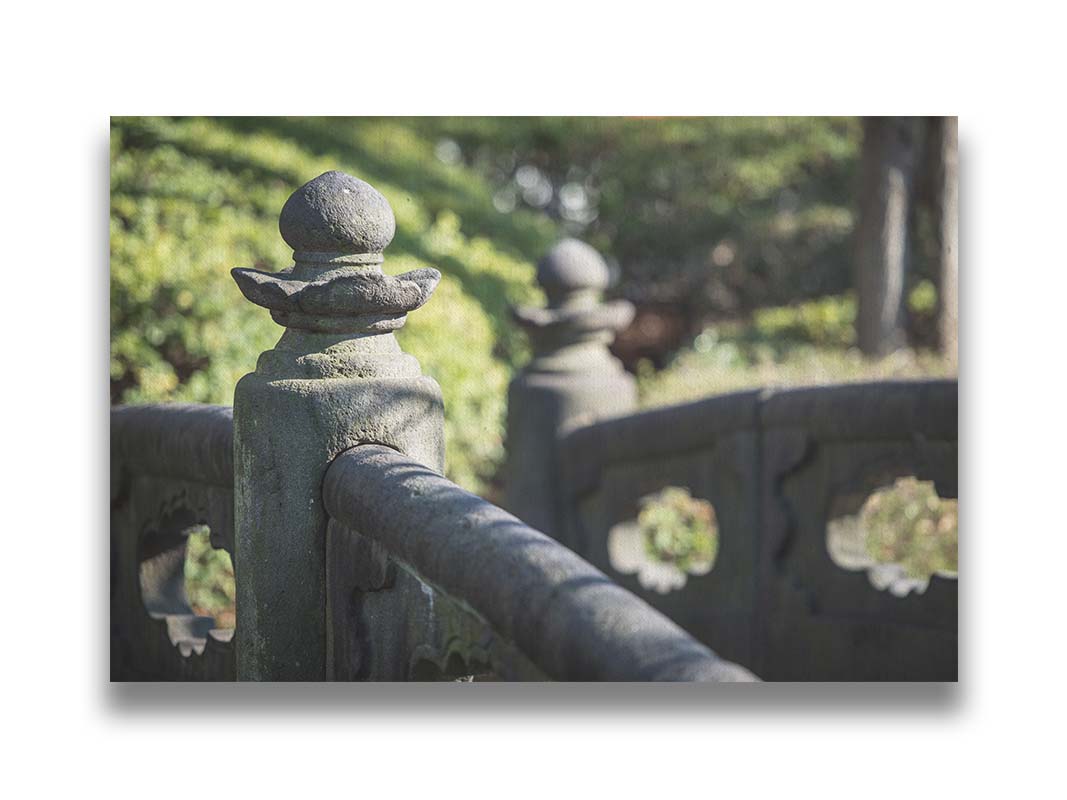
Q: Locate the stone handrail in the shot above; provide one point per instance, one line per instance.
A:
(179, 440)
(354, 559)
(172, 473)
(566, 617)
(778, 467)
(783, 482)
(171, 476)
(886, 410)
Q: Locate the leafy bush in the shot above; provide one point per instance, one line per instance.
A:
(909, 525)
(191, 198)
(743, 213)
(801, 345)
(209, 580)
(828, 321)
(719, 214)
(679, 529)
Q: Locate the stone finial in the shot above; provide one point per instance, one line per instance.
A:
(573, 276)
(339, 219)
(336, 378)
(572, 267)
(572, 379)
(338, 227)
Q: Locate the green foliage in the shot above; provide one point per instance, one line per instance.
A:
(827, 322)
(679, 529)
(801, 345)
(191, 198)
(908, 524)
(209, 580)
(717, 214)
(922, 299)
(923, 306)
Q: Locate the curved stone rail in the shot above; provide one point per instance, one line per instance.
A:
(566, 617)
(188, 441)
(885, 410)
(778, 466)
(171, 474)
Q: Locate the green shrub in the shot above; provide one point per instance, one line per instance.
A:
(909, 525)
(191, 198)
(679, 529)
(209, 580)
(801, 345)
(718, 214)
(828, 322)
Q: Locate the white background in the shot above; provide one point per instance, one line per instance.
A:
(1000, 68)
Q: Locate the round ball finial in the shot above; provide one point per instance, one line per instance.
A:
(337, 214)
(572, 266)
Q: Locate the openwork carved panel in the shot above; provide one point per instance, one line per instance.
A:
(675, 535)
(676, 528)
(780, 469)
(388, 624)
(902, 535)
(824, 617)
(156, 633)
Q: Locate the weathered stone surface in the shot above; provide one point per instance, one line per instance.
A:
(340, 294)
(338, 227)
(776, 465)
(171, 472)
(178, 440)
(570, 267)
(567, 618)
(336, 215)
(571, 380)
(337, 378)
(321, 598)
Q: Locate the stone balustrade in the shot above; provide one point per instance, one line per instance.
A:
(354, 558)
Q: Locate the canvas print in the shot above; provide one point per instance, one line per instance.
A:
(534, 399)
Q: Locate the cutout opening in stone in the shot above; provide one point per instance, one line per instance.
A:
(209, 579)
(902, 535)
(177, 562)
(674, 536)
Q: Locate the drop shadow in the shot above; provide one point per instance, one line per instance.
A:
(846, 700)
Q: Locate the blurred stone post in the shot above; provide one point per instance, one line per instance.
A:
(572, 379)
(337, 378)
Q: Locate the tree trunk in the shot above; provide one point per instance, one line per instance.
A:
(948, 228)
(886, 177)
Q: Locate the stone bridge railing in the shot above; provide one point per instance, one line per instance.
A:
(171, 474)
(354, 558)
(794, 591)
(467, 589)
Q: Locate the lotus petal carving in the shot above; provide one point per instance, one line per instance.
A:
(351, 293)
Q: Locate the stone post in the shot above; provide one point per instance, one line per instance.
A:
(337, 378)
(572, 380)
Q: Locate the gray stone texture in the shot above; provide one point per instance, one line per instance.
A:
(777, 466)
(337, 214)
(563, 616)
(337, 378)
(171, 472)
(412, 578)
(423, 581)
(356, 559)
(572, 379)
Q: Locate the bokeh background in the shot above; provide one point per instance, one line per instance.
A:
(732, 236)
(735, 238)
